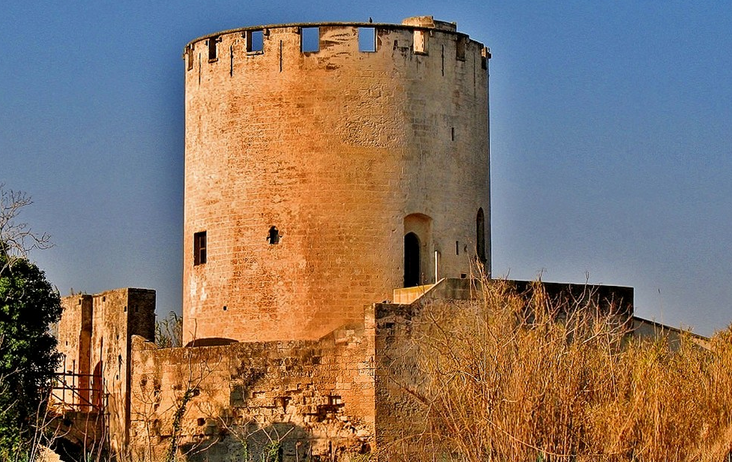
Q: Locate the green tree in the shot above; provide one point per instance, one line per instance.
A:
(28, 307)
(28, 357)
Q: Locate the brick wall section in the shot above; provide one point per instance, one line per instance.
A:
(315, 398)
(335, 148)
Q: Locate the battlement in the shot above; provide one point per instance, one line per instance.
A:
(422, 35)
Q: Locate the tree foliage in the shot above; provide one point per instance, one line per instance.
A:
(28, 307)
(169, 331)
(28, 357)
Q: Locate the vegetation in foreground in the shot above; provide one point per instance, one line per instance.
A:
(29, 305)
(507, 383)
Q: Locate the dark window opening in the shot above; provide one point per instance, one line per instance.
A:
(255, 41)
(199, 248)
(367, 39)
(273, 236)
(457, 248)
(212, 49)
(452, 133)
(310, 39)
(411, 260)
(460, 48)
(480, 236)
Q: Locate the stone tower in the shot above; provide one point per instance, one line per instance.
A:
(326, 165)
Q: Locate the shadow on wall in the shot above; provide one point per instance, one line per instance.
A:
(278, 442)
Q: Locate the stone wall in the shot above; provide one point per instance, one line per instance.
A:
(343, 151)
(74, 343)
(304, 400)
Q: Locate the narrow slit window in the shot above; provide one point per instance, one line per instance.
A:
(255, 41)
(442, 59)
(420, 42)
(310, 39)
(212, 49)
(367, 39)
(199, 248)
(480, 236)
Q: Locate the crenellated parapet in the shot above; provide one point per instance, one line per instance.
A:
(289, 45)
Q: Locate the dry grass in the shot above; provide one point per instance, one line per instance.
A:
(503, 387)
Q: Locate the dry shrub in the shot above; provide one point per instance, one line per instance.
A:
(511, 379)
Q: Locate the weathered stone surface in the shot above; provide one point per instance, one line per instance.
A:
(345, 152)
(304, 398)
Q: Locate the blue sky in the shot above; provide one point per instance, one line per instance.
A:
(611, 132)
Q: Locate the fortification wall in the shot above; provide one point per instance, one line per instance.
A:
(117, 316)
(74, 343)
(344, 152)
(304, 400)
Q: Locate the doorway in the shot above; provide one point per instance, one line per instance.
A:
(412, 268)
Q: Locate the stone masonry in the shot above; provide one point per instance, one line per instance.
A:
(314, 169)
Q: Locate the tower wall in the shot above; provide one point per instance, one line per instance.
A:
(344, 152)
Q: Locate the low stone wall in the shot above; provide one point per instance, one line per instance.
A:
(299, 400)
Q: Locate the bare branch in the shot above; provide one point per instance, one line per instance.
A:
(16, 237)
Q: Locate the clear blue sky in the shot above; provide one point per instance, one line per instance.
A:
(611, 138)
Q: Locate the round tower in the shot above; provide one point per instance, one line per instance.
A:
(326, 165)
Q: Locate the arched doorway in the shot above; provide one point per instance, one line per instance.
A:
(411, 260)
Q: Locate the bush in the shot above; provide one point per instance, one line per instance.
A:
(507, 379)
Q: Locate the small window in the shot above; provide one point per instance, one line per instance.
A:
(199, 248)
(310, 39)
(273, 236)
(460, 48)
(255, 41)
(420, 42)
(367, 39)
(212, 49)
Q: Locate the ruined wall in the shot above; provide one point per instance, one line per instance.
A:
(304, 400)
(336, 148)
(74, 342)
(117, 316)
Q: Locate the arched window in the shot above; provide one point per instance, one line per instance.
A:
(480, 236)
(411, 260)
